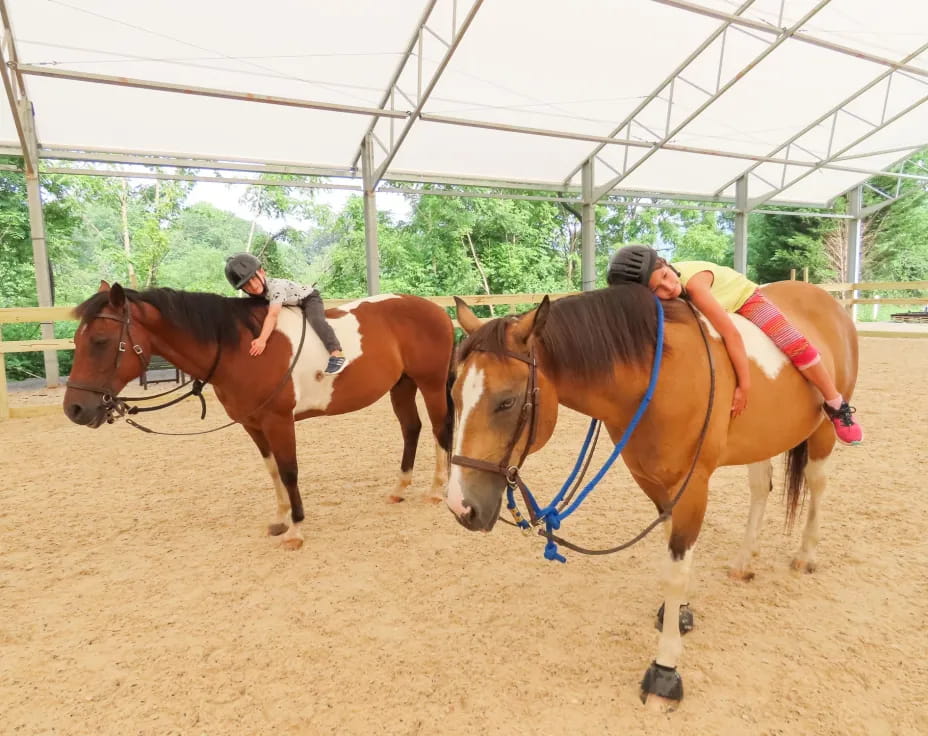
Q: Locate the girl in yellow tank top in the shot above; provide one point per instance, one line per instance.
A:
(718, 291)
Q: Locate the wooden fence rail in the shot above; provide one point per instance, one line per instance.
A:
(19, 315)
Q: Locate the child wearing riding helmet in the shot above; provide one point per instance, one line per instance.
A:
(244, 271)
(718, 291)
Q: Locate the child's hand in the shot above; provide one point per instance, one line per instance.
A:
(739, 401)
(257, 346)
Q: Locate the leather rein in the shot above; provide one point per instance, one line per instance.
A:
(116, 406)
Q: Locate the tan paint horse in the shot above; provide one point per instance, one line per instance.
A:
(593, 353)
(400, 344)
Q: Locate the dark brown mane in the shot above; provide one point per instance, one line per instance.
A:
(210, 318)
(587, 334)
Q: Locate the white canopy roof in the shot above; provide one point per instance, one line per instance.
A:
(669, 96)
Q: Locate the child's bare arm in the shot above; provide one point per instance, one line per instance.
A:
(270, 322)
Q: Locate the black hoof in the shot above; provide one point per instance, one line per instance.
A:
(687, 622)
(662, 681)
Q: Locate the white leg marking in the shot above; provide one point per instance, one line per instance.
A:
(402, 483)
(676, 582)
(440, 478)
(472, 391)
(283, 499)
(759, 477)
(816, 481)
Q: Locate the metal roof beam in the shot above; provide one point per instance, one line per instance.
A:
(225, 94)
(781, 37)
(424, 94)
(804, 37)
(15, 88)
(388, 96)
(828, 159)
(832, 113)
(668, 80)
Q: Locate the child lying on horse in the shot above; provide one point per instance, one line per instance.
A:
(244, 271)
(717, 291)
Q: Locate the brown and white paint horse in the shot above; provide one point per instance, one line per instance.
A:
(401, 344)
(593, 353)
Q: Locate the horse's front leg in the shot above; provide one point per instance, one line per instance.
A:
(662, 686)
(281, 521)
(282, 465)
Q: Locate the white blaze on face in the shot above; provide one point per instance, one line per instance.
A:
(471, 391)
(760, 348)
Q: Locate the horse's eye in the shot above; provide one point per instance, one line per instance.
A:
(505, 404)
(99, 340)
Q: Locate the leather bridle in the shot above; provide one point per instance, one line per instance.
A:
(528, 415)
(111, 402)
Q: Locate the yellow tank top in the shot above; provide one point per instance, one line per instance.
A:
(730, 288)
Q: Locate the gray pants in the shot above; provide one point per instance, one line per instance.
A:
(315, 315)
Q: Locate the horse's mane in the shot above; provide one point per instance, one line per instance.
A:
(210, 318)
(587, 334)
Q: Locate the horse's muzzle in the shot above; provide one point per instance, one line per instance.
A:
(86, 416)
(476, 519)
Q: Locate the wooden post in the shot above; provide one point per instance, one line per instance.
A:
(4, 400)
(805, 274)
(792, 274)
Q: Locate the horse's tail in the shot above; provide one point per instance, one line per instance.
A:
(796, 461)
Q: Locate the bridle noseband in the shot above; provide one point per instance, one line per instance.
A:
(112, 404)
(527, 415)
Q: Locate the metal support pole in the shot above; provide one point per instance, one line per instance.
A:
(372, 253)
(588, 230)
(37, 230)
(854, 236)
(741, 225)
(42, 279)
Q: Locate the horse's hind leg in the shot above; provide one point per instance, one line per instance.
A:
(821, 443)
(403, 397)
(282, 520)
(760, 478)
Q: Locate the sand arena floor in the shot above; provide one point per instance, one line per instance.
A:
(138, 593)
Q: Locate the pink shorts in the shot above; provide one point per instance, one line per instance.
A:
(763, 313)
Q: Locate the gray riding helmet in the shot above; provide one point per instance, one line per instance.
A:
(240, 268)
(633, 263)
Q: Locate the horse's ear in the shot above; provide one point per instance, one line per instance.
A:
(117, 296)
(469, 321)
(531, 323)
(104, 285)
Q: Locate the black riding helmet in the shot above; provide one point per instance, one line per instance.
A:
(633, 263)
(240, 268)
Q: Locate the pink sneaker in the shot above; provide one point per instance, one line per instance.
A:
(848, 431)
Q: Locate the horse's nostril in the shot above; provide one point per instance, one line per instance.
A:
(74, 412)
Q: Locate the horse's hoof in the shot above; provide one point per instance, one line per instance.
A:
(739, 574)
(395, 499)
(661, 687)
(433, 500)
(803, 565)
(294, 543)
(275, 530)
(687, 621)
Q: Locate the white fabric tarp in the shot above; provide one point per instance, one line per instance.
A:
(577, 68)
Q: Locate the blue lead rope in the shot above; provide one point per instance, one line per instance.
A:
(550, 513)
